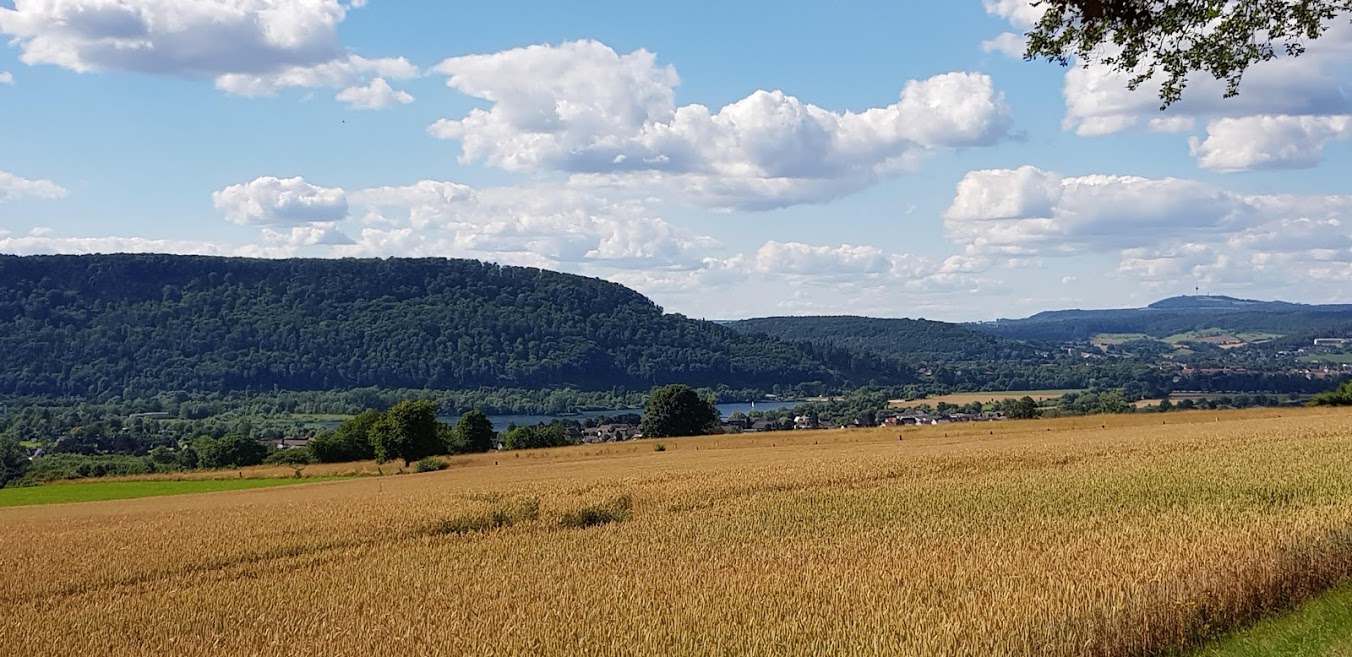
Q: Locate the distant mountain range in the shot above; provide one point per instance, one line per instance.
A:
(1176, 315)
(921, 342)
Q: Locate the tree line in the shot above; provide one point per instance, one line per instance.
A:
(408, 431)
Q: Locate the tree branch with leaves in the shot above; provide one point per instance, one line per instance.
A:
(1175, 38)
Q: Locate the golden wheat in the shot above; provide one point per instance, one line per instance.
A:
(1090, 536)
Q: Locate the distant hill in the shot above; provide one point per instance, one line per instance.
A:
(1218, 303)
(914, 341)
(135, 325)
(1176, 315)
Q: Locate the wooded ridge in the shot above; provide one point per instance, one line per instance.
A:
(97, 326)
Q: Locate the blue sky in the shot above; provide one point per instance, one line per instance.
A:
(728, 159)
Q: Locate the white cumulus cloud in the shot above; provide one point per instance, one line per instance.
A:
(340, 73)
(1023, 14)
(1008, 44)
(1028, 211)
(1164, 229)
(1269, 142)
(374, 96)
(270, 201)
(582, 108)
(13, 187)
(249, 47)
(541, 225)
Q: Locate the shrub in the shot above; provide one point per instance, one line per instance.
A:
(502, 515)
(163, 456)
(659, 447)
(289, 457)
(56, 467)
(616, 510)
(1340, 397)
(431, 464)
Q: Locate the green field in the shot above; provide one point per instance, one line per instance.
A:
(1327, 358)
(1245, 336)
(1321, 628)
(316, 417)
(1255, 336)
(123, 490)
(1118, 338)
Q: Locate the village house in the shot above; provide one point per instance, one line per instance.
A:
(610, 433)
(927, 419)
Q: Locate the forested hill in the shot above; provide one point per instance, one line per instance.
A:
(132, 325)
(914, 341)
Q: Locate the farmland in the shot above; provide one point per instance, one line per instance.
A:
(121, 490)
(1320, 628)
(964, 398)
(1104, 536)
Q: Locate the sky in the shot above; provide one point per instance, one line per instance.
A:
(729, 160)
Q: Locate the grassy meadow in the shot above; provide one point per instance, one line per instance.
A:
(1319, 628)
(99, 491)
(1100, 536)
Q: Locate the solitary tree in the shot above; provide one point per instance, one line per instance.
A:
(677, 410)
(1142, 38)
(408, 431)
(475, 432)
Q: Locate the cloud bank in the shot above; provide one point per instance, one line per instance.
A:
(249, 47)
(583, 109)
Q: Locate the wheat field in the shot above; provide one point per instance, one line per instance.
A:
(964, 398)
(1088, 536)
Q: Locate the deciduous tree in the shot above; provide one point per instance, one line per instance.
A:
(1025, 408)
(677, 410)
(13, 459)
(232, 451)
(475, 432)
(352, 441)
(408, 431)
(536, 437)
(1176, 38)
(1340, 397)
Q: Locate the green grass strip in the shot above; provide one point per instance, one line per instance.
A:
(1320, 628)
(124, 490)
